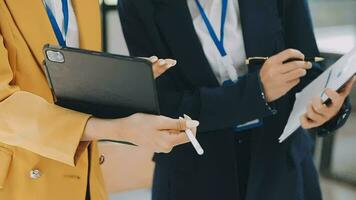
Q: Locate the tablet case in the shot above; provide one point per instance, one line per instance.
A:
(104, 85)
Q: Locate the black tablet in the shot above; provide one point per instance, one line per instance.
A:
(104, 85)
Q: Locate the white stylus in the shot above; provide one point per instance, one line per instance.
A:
(193, 139)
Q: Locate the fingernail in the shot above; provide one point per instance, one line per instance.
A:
(187, 117)
(174, 62)
(161, 62)
(310, 65)
(192, 123)
(304, 72)
(153, 58)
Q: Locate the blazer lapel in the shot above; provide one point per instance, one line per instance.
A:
(174, 21)
(260, 25)
(32, 21)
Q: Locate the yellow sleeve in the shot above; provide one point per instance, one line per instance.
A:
(30, 122)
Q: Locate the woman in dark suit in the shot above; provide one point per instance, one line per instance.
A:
(242, 109)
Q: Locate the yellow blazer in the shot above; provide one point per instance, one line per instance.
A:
(41, 156)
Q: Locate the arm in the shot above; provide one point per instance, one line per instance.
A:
(225, 106)
(299, 34)
(30, 122)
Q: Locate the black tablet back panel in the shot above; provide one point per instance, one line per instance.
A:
(104, 85)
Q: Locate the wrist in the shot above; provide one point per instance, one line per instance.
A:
(102, 129)
(90, 130)
(122, 130)
(269, 103)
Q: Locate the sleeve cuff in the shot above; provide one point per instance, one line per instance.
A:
(270, 106)
(71, 147)
(42, 128)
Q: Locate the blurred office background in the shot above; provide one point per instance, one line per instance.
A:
(335, 156)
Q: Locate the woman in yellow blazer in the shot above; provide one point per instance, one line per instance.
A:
(47, 152)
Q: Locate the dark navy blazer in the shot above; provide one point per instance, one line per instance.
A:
(277, 171)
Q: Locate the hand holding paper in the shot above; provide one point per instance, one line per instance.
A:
(333, 78)
(319, 113)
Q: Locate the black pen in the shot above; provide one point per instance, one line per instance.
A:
(261, 60)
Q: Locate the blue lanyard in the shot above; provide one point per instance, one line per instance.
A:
(219, 43)
(56, 29)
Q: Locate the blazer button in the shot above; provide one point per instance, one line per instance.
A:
(35, 174)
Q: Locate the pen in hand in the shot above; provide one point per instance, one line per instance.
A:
(307, 59)
(192, 138)
(261, 60)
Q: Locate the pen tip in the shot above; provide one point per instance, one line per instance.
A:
(319, 59)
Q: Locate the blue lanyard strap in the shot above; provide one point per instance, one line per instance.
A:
(218, 42)
(56, 29)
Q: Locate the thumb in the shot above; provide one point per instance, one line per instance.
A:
(178, 124)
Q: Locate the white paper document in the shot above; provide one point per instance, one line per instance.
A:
(334, 78)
